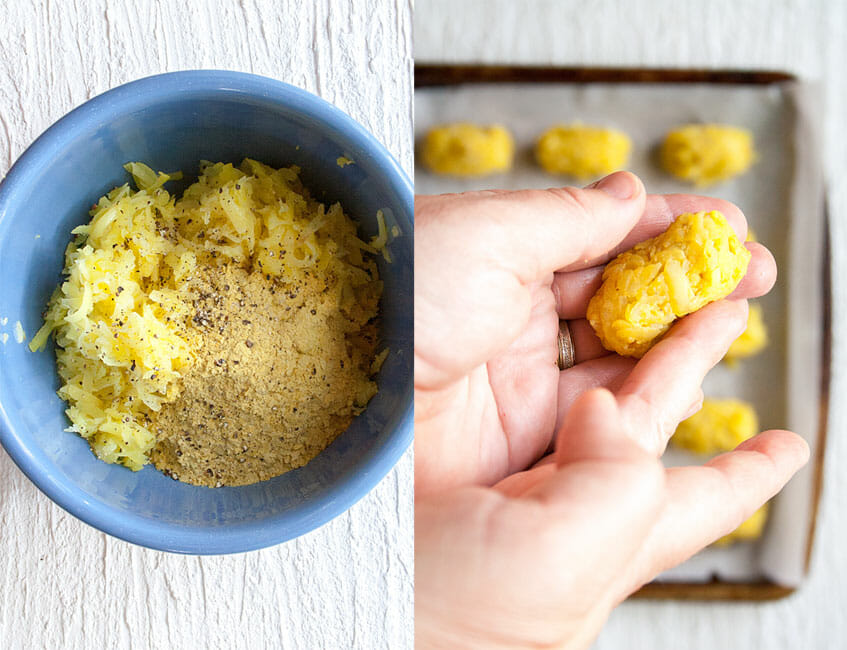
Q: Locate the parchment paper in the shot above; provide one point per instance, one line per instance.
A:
(782, 197)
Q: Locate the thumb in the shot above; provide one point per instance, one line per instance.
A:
(594, 430)
(475, 254)
(606, 493)
(601, 470)
(535, 232)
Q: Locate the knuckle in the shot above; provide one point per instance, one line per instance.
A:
(572, 198)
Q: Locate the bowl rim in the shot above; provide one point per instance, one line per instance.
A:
(237, 538)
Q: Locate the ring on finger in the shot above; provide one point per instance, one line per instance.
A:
(567, 357)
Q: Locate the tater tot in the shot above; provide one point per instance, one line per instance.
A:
(751, 529)
(753, 339)
(581, 151)
(697, 260)
(721, 425)
(465, 149)
(705, 154)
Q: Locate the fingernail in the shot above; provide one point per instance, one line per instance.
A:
(619, 185)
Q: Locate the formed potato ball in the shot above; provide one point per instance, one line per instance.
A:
(705, 154)
(721, 425)
(464, 149)
(749, 530)
(697, 260)
(582, 151)
(753, 339)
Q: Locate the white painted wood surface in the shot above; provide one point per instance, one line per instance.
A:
(64, 584)
(807, 38)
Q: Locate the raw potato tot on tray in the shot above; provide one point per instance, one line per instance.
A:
(697, 260)
(753, 339)
(465, 149)
(751, 529)
(720, 425)
(705, 154)
(582, 151)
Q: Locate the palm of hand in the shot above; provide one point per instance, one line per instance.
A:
(499, 417)
(529, 541)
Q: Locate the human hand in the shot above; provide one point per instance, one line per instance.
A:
(541, 557)
(495, 271)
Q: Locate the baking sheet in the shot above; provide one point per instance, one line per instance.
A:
(782, 197)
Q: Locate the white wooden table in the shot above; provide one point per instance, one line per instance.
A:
(806, 38)
(63, 584)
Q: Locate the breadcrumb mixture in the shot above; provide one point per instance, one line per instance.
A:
(280, 373)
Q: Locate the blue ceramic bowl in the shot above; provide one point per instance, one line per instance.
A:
(172, 121)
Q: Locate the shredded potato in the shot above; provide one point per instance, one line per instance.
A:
(121, 317)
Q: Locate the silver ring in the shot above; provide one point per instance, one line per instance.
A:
(566, 352)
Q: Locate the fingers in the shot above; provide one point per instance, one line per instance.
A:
(760, 276)
(600, 500)
(534, 232)
(518, 382)
(520, 483)
(705, 503)
(593, 430)
(481, 258)
(585, 342)
(574, 289)
(598, 458)
(600, 475)
(659, 212)
(663, 385)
